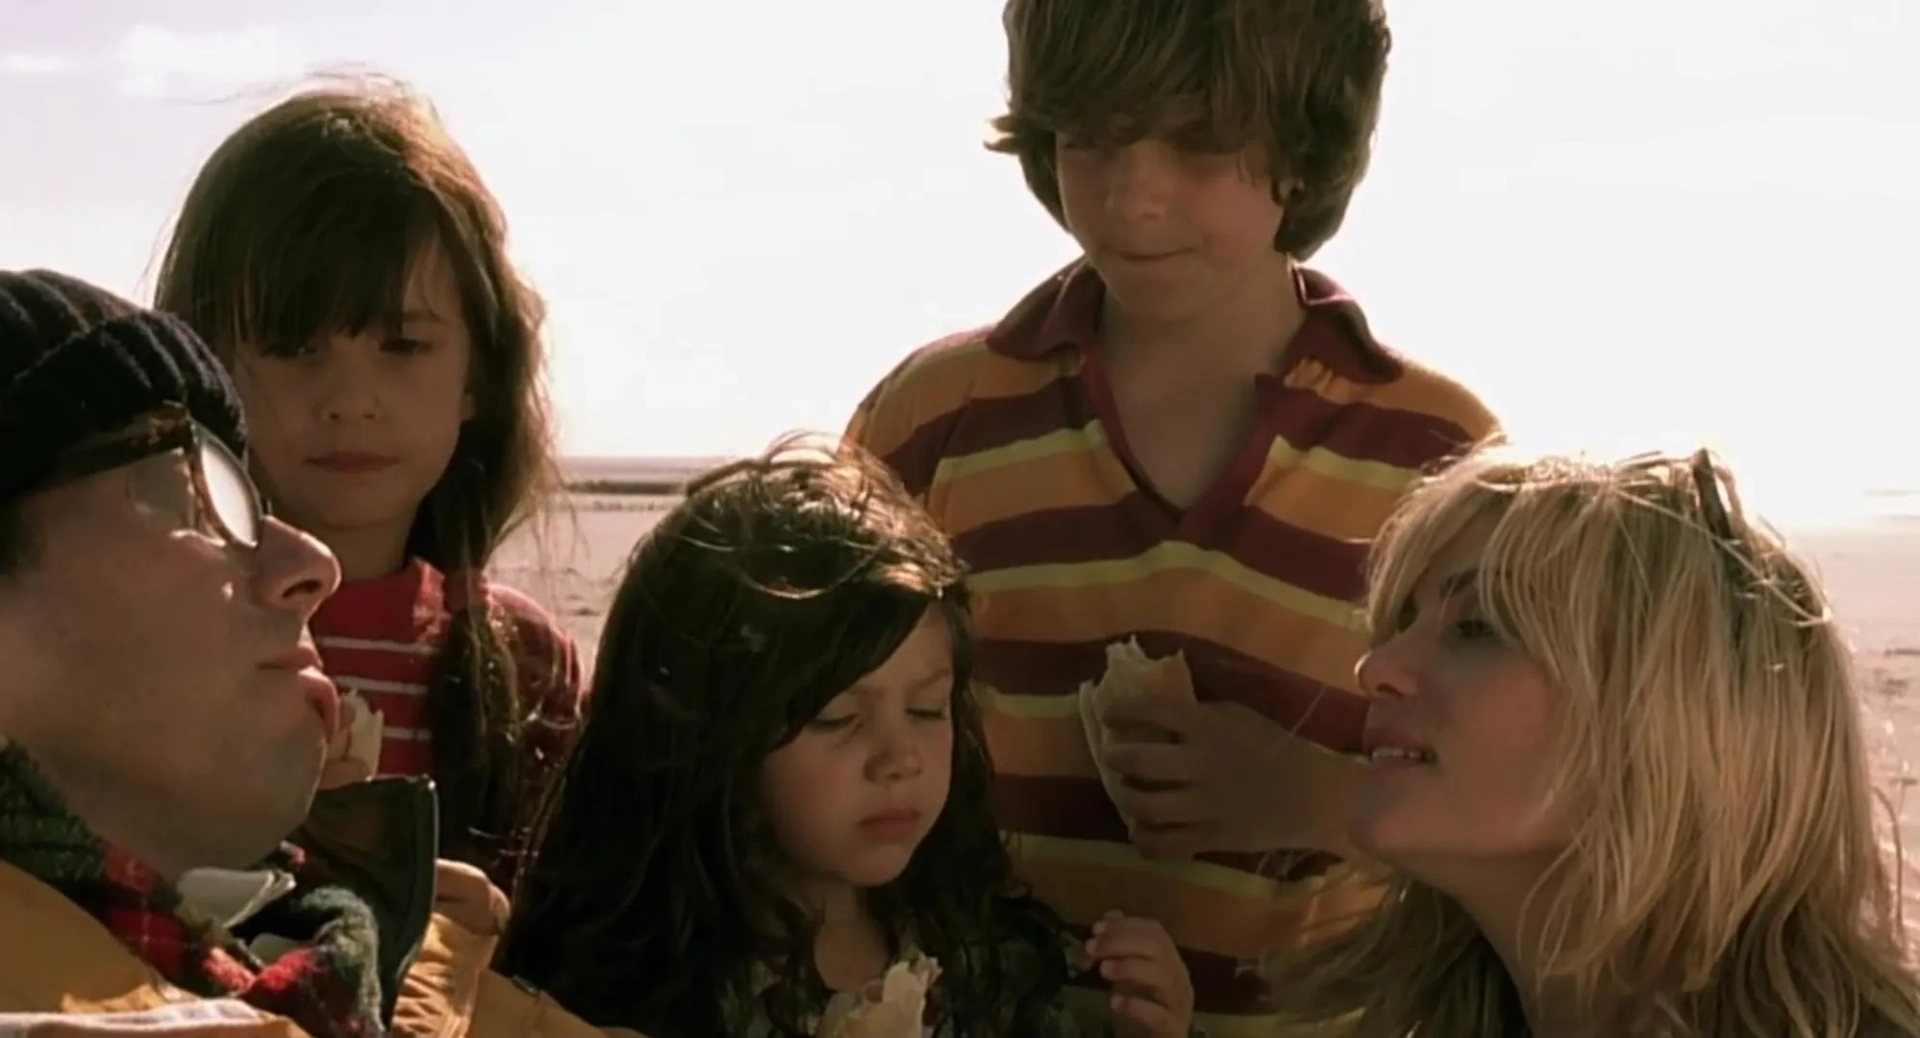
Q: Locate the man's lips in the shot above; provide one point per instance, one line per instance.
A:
(303, 662)
(352, 462)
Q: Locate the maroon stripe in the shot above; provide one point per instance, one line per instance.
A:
(915, 458)
(1325, 714)
(1362, 431)
(1221, 983)
(1084, 533)
(977, 424)
(1074, 808)
(994, 422)
(1135, 523)
(1305, 419)
(918, 456)
(1326, 566)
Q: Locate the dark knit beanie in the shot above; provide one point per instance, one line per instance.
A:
(78, 361)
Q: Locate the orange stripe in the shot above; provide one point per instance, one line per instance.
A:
(1049, 743)
(938, 381)
(1186, 601)
(1038, 745)
(1420, 390)
(931, 382)
(995, 376)
(979, 490)
(1339, 509)
(1083, 881)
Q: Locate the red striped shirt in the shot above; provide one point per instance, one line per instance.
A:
(382, 639)
(1008, 434)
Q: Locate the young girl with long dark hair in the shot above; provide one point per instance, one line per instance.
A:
(782, 787)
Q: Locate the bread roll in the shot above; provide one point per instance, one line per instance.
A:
(894, 1006)
(1130, 674)
(365, 727)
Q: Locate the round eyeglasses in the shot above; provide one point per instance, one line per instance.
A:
(225, 498)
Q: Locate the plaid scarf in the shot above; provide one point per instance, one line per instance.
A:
(328, 985)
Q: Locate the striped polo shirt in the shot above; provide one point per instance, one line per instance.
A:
(1007, 434)
(382, 639)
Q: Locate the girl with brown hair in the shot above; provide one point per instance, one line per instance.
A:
(342, 255)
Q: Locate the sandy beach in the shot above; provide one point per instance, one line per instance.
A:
(1872, 570)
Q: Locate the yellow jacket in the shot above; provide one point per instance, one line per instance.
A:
(62, 975)
(449, 993)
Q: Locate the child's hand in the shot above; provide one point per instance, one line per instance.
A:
(1208, 782)
(342, 768)
(1152, 993)
(465, 895)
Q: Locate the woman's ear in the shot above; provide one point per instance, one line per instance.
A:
(467, 406)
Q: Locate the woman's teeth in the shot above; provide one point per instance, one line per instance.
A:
(1398, 753)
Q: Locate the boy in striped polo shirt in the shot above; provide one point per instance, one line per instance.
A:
(1186, 438)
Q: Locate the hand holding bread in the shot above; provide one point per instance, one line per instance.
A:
(1190, 777)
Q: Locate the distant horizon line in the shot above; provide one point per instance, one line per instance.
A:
(665, 474)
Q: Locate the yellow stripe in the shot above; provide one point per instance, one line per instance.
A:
(1163, 557)
(1420, 390)
(1379, 475)
(1337, 509)
(1031, 708)
(1043, 736)
(1185, 872)
(1053, 444)
(918, 390)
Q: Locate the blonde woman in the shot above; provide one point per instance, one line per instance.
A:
(1616, 762)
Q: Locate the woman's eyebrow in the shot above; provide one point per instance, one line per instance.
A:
(1459, 583)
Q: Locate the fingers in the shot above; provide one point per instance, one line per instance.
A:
(1168, 823)
(1116, 936)
(344, 772)
(1151, 988)
(465, 895)
(1154, 763)
(1163, 808)
(1173, 716)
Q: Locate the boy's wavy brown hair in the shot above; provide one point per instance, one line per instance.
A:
(1296, 83)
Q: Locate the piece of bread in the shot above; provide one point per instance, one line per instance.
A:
(364, 727)
(1130, 674)
(894, 1006)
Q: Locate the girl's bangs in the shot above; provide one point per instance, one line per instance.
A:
(358, 241)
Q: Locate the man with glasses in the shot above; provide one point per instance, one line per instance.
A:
(164, 724)
(163, 717)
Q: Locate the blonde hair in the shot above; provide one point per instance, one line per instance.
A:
(1725, 877)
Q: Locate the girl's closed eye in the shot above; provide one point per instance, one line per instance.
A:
(407, 346)
(834, 722)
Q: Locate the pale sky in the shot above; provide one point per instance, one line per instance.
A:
(1639, 223)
